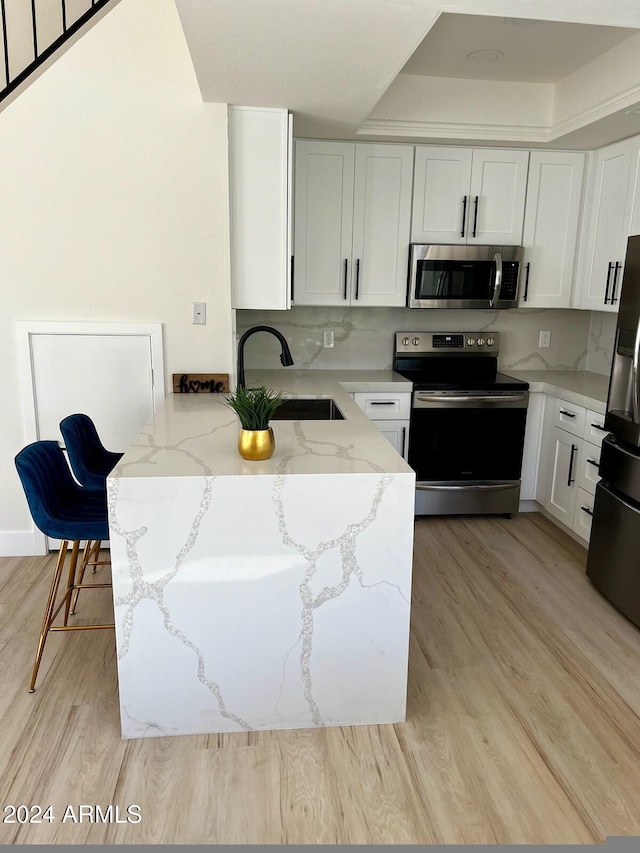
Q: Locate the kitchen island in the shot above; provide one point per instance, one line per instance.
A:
(262, 595)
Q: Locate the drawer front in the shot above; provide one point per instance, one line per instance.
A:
(594, 427)
(569, 417)
(584, 508)
(382, 407)
(587, 474)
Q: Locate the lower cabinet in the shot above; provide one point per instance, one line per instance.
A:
(390, 414)
(569, 461)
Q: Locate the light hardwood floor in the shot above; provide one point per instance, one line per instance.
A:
(522, 727)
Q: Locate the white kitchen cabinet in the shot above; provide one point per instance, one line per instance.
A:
(352, 219)
(464, 195)
(610, 202)
(260, 161)
(390, 413)
(551, 220)
(569, 463)
(531, 453)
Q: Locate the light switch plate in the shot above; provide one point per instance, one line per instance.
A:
(199, 313)
(545, 339)
(328, 339)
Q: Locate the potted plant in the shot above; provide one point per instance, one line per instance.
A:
(255, 407)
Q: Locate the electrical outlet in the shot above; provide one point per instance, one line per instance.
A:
(328, 340)
(545, 339)
(199, 313)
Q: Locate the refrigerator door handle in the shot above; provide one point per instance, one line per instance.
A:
(634, 379)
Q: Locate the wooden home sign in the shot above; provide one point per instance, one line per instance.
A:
(200, 383)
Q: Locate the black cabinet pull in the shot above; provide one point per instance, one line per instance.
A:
(606, 290)
(464, 215)
(404, 439)
(382, 402)
(594, 463)
(292, 269)
(587, 510)
(346, 265)
(526, 282)
(568, 414)
(617, 269)
(573, 453)
(357, 277)
(600, 427)
(475, 216)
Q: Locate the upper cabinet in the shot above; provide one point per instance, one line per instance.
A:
(352, 218)
(551, 219)
(260, 158)
(612, 185)
(464, 195)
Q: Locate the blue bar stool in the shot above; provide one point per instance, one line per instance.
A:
(90, 462)
(61, 509)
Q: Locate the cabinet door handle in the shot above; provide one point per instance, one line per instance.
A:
(616, 270)
(404, 439)
(526, 282)
(292, 271)
(570, 479)
(357, 277)
(464, 215)
(567, 414)
(600, 427)
(587, 510)
(594, 463)
(346, 265)
(382, 402)
(606, 290)
(475, 216)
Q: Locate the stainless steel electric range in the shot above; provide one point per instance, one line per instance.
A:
(466, 435)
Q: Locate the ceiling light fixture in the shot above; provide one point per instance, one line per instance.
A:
(485, 55)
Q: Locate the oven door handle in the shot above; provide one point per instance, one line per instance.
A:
(471, 487)
(497, 286)
(484, 398)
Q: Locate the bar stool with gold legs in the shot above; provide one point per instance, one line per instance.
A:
(61, 509)
(91, 463)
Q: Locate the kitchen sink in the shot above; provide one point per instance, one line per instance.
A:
(308, 409)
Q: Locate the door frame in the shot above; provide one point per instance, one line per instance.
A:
(27, 329)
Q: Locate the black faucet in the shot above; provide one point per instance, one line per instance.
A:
(285, 355)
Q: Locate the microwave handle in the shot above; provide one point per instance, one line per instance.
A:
(497, 285)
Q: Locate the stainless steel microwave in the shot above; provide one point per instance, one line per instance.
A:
(464, 276)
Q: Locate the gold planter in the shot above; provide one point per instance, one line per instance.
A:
(256, 443)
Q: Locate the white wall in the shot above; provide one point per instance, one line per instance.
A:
(114, 206)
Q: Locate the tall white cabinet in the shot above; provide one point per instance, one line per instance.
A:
(465, 195)
(352, 220)
(551, 220)
(612, 185)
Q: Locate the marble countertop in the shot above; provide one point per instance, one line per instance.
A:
(580, 387)
(196, 434)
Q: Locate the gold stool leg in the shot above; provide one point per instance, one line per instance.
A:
(96, 555)
(46, 621)
(86, 556)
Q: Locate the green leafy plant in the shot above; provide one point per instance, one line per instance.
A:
(254, 406)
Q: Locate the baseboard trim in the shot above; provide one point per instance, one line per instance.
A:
(20, 543)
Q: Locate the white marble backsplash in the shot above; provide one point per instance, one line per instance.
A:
(601, 341)
(364, 336)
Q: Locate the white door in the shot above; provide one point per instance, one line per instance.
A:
(108, 377)
(381, 220)
(551, 221)
(497, 195)
(397, 434)
(441, 203)
(324, 175)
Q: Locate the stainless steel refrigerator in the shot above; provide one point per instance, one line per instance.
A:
(613, 563)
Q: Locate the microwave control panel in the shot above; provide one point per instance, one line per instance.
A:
(509, 289)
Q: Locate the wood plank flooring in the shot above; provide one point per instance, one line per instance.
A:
(523, 721)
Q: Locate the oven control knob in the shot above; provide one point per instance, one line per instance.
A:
(480, 342)
(490, 342)
(470, 342)
(405, 342)
(415, 341)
